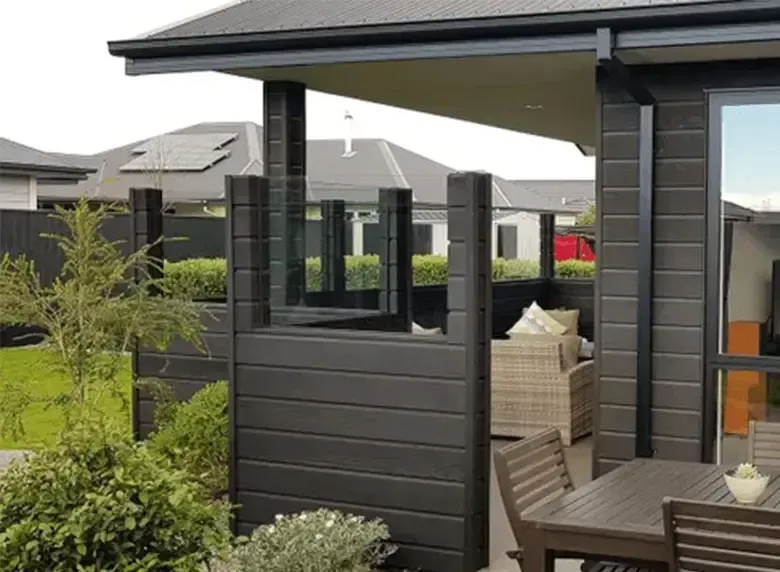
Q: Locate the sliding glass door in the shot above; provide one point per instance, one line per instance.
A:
(743, 267)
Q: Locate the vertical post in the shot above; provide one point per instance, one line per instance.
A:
(284, 157)
(644, 318)
(146, 221)
(547, 245)
(395, 253)
(334, 246)
(469, 324)
(248, 281)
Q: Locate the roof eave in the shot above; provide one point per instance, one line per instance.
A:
(727, 12)
(58, 171)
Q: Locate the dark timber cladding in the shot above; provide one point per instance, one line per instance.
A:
(284, 162)
(620, 74)
(678, 272)
(333, 247)
(145, 229)
(373, 423)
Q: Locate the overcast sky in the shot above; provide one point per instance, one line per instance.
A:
(62, 91)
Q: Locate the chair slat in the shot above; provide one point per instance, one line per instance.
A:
(764, 444)
(711, 537)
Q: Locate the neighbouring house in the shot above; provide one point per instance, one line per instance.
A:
(25, 170)
(190, 165)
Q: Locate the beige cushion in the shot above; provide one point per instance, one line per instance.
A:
(419, 330)
(568, 318)
(537, 321)
(570, 346)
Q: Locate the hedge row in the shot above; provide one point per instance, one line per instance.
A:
(206, 277)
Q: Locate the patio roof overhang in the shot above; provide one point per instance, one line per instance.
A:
(533, 74)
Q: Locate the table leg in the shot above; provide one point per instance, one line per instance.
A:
(536, 557)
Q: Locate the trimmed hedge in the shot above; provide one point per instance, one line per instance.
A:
(206, 278)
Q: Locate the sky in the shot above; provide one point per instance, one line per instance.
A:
(751, 155)
(62, 91)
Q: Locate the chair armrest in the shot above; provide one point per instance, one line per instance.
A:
(583, 368)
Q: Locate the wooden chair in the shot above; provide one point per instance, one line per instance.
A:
(531, 473)
(710, 537)
(764, 445)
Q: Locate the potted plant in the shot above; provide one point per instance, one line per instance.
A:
(746, 483)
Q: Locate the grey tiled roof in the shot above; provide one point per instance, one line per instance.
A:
(260, 16)
(376, 163)
(423, 216)
(577, 194)
(13, 153)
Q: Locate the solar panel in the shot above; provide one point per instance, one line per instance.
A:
(180, 152)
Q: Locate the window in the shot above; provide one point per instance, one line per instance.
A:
(743, 268)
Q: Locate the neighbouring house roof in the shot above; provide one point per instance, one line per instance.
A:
(425, 216)
(191, 164)
(574, 193)
(19, 159)
(267, 16)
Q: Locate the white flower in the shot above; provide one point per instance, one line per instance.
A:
(317, 536)
(278, 517)
(303, 516)
(271, 529)
(329, 523)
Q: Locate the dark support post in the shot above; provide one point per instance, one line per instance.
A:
(248, 280)
(547, 245)
(469, 324)
(333, 246)
(146, 221)
(284, 157)
(395, 253)
(644, 319)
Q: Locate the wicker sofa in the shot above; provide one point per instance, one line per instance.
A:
(537, 382)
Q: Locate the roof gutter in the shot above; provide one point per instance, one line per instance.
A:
(709, 14)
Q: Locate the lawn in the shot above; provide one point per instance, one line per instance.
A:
(35, 367)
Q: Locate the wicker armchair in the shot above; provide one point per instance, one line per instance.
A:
(536, 384)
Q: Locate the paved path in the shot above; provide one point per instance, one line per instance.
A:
(7, 456)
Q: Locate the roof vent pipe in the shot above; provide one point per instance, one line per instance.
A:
(348, 150)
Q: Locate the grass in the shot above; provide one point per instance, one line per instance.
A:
(35, 368)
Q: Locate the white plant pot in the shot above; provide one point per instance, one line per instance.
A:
(746, 491)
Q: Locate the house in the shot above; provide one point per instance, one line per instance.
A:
(680, 100)
(190, 165)
(576, 194)
(23, 170)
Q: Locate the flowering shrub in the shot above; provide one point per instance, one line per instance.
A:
(320, 541)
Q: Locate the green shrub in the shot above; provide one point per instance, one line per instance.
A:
(193, 435)
(362, 273)
(575, 269)
(321, 541)
(517, 269)
(96, 504)
(197, 278)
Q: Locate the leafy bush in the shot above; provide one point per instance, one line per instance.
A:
(321, 541)
(93, 313)
(197, 278)
(575, 269)
(97, 503)
(194, 436)
(363, 273)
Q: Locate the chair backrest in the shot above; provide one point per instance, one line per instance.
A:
(531, 472)
(764, 445)
(710, 537)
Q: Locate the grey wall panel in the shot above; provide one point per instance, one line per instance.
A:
(680, 205)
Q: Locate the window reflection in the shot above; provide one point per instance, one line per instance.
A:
(750, 230)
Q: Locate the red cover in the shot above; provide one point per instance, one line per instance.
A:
(566, 248)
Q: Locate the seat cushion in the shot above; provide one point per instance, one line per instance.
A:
(537, 321)
(568, 318)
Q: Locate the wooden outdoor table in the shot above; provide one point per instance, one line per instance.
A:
(619, 515)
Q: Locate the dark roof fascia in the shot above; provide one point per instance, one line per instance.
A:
(643, 18)
(57, 170)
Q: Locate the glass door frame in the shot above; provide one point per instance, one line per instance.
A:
(716, 362)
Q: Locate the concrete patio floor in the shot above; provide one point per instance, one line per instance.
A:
(579, 460)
